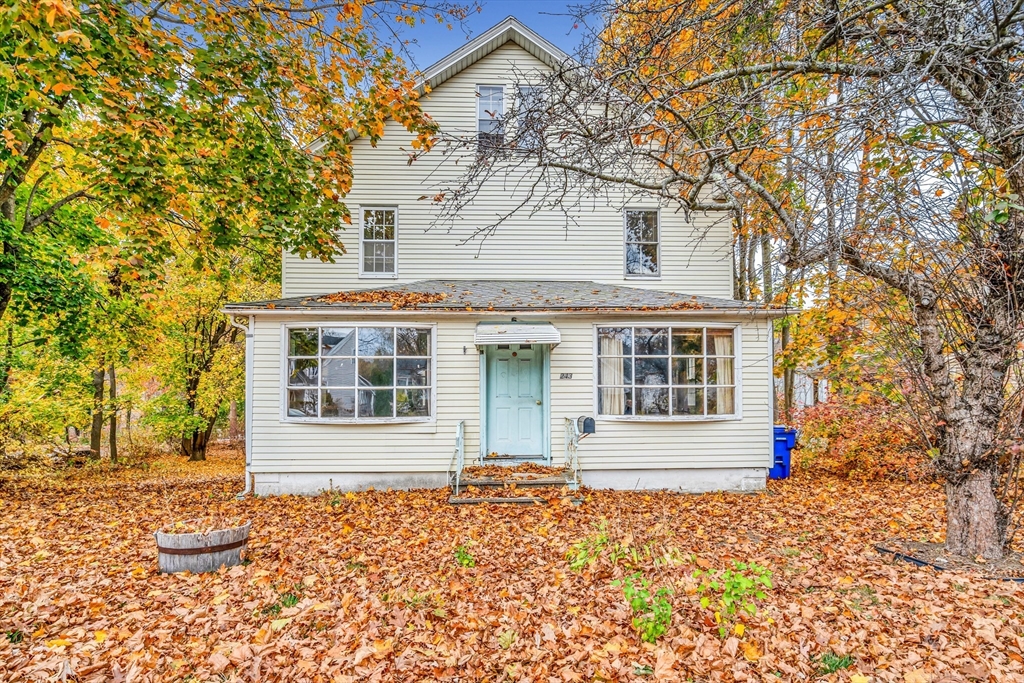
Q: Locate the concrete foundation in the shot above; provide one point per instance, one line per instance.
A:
(736, 479)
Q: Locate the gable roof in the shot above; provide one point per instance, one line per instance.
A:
(507, 30)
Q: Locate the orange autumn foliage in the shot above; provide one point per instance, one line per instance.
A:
(862, 439)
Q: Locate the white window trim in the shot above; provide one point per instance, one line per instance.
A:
(476, 103)
(737, 338)
(625, 241)
(283, 356)
(362, 234)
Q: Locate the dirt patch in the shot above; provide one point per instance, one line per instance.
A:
(1009, 568)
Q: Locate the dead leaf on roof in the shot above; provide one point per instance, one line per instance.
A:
(384, 296)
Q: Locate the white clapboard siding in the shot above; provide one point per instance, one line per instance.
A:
(695, 256)
(288, 447)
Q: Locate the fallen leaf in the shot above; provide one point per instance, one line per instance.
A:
(219, 662)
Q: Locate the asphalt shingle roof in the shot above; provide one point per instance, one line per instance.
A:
(507, 295)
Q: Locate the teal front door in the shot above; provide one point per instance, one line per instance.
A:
(515, 401)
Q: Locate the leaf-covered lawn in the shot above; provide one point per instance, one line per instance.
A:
(397, 586)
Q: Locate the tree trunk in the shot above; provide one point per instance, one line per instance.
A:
(233, 431)
(740, 286)
(975, 519)
(96, 435)
(8, 251)
(766, 268)
(194, 446)
(751, 270)
(788, 376)
(113, 414)
(5, 375)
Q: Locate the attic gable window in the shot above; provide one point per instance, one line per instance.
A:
(490, 112)
(643, 243)
(378, 245)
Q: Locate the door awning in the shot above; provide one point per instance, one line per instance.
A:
(517, 333)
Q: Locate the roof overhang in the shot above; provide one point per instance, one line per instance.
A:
(508, 30)
(488, 334)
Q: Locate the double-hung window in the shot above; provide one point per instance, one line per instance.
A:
(684, 372)
(356, 373)
(490, 115)
(643, 243)
(379, 243)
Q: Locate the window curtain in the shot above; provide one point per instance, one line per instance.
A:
(613, 399)
(724, 375)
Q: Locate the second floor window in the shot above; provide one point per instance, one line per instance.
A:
(643, 243)
(490, 112)
(379, 243)
(529, 118)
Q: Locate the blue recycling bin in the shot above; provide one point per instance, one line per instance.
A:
(785, 442)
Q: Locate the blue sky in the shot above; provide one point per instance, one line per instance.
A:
(550, 18)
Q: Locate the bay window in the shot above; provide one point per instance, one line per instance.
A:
(665, 372)
(356, 373)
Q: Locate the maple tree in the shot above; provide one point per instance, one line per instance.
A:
(147, 144)
(880, 141)
(195, 353)
(185, 123)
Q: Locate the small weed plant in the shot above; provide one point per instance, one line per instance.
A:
(463, 557)
(830, 662)
(589, 549)
(286, 600)
(14, 636)
(652, 612)
(733, 591)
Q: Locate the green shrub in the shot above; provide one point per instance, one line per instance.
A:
(733, 591)
(652, 612)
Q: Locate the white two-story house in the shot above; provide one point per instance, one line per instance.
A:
(369, 369)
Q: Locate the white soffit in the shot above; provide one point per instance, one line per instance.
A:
(516, 333)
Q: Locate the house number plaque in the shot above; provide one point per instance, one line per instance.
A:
(565, 375)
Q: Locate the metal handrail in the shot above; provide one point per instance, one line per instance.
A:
(458, 456)
(572, 450)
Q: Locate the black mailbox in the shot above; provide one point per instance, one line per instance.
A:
(586, 425)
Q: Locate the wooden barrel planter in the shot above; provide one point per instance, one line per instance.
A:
(201, 552)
